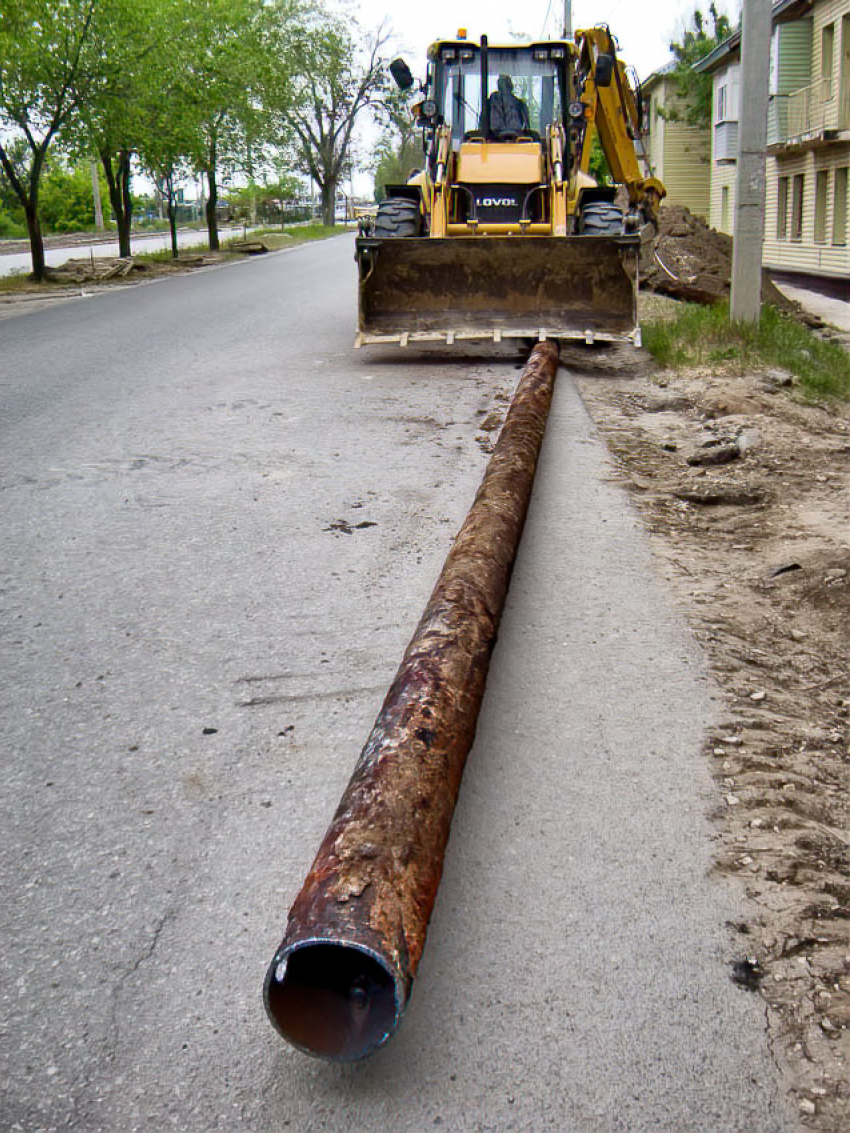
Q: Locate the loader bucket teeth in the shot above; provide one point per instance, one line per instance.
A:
(421, 289)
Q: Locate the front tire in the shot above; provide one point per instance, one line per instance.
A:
(397, 216)
(602, 218)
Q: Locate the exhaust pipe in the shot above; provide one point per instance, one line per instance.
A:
(340, 981)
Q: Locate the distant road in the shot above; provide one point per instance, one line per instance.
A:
(11, 262)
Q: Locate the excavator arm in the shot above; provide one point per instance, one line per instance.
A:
(611, 112)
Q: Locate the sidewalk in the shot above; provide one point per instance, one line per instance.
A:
(832, 310)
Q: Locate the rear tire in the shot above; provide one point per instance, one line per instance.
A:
(601, 218)
(398, 216)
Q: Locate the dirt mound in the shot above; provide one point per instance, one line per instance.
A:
(691, 261)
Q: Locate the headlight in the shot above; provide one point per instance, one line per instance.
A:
(428, 109)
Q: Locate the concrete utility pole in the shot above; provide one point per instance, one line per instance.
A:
(95, 188)
(749, 184)
(568, 19)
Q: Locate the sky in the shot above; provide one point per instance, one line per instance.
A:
(643, 29)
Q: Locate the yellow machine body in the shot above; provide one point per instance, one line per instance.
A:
(504, 233)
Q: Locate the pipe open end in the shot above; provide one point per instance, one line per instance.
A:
(337, 1001)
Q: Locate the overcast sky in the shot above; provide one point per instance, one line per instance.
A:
(643, 29)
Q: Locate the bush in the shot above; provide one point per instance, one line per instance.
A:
(10, 228)
(66, 201)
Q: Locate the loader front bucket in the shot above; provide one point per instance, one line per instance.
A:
(422, 289)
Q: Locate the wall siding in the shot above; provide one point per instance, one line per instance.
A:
(829, 12)
(790, 69)
(805, 255)
(797, 66)
(794, 60)
(679, 155)
(723, 173)
(686, 167)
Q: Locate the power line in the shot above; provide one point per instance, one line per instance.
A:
(546, 19)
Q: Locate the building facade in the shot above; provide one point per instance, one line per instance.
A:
(808, 138)
(680, 155)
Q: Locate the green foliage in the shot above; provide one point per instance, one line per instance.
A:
(10, 228)
(704, 336)
(597, 167)
(692, 105)
(399, 150)
(287, 187)
(55, 58)
(395, 166)
(67, 199)
(339, 76)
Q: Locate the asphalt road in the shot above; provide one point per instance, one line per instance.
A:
(174, 460)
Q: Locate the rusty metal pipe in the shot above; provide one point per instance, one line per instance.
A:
(341, 978)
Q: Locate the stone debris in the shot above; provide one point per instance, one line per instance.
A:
(690, 261)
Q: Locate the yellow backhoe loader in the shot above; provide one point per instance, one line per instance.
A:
(504, 233)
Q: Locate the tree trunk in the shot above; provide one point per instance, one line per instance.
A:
(36, 240)
(125, 221)
(329, 203)
(212, 206)
(172, 217)
(118, 181)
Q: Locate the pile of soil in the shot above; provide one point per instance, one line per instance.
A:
(690, 261)
(746, 492)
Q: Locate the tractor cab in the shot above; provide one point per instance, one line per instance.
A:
(487, 93)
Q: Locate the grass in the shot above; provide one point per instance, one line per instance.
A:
(704, 336)
(273, 238)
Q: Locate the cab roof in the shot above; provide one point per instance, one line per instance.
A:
(436, 48)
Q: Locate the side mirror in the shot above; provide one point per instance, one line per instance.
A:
(604, 70)
(401, 73)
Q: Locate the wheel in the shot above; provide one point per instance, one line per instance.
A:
(398, 216)
(601, 218)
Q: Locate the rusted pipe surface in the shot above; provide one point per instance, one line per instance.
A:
(341, 978)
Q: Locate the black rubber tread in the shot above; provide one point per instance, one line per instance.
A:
(398, 216)
(601, 218)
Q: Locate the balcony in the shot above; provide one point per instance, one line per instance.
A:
(810, 110)
(725, 141)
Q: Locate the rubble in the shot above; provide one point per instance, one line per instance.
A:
(690, 261)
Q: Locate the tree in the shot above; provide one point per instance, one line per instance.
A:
(233, 55)
(692, 88)
(399, 150)
(337, 80)
(54, 58)
(164, 151)
(113, 120)
(67, 197)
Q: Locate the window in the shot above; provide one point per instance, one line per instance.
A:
(534, 84)
(839, 207)
(821, 187)
(827, 51)
(782, 209)
(724, 209)
(721, 104)
(797, 207)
